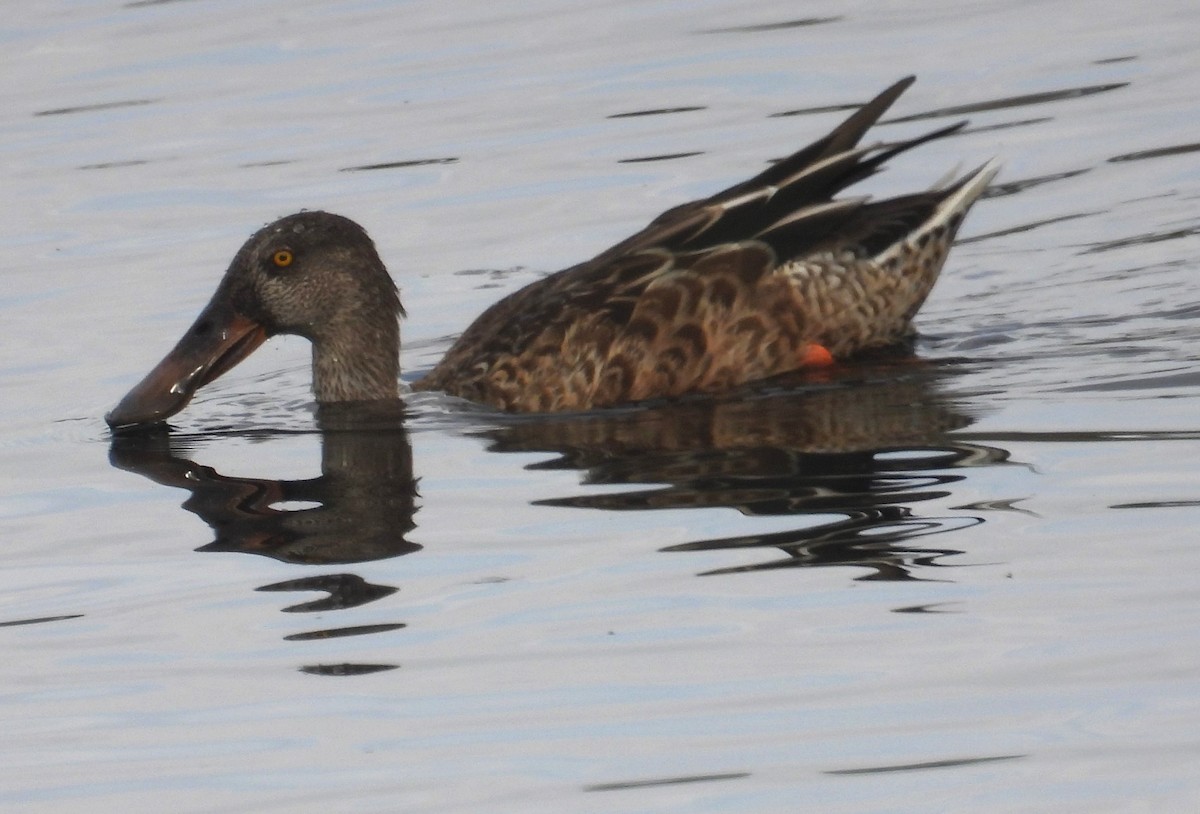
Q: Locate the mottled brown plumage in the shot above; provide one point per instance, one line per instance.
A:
(727, 290)
(764, 278)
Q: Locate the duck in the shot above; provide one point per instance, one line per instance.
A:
(773, 275)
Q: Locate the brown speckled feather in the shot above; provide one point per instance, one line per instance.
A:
(723, 291)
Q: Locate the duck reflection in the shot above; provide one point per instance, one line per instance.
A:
(867, 451)
(358, 510)
(852, 460)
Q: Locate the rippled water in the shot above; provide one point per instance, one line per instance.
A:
(963, 581)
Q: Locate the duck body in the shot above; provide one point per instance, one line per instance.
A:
(764, 278)
(767, 277)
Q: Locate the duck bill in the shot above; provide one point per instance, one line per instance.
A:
(218, 339)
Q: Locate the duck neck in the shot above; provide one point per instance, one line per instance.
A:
(357, 363)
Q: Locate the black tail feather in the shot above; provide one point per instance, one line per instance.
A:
(845, 136)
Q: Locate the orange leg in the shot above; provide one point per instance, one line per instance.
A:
(816, 356)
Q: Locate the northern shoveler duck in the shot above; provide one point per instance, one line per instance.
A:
(769, 276)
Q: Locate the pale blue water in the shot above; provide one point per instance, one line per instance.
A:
(964, 585)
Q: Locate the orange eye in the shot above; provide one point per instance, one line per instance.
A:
(283, 258)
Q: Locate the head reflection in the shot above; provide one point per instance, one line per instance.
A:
(359, 509)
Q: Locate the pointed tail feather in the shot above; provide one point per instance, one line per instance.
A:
(842, 138)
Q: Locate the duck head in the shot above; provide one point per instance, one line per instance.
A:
(313, 274)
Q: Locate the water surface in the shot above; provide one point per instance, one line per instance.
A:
(957, 582)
